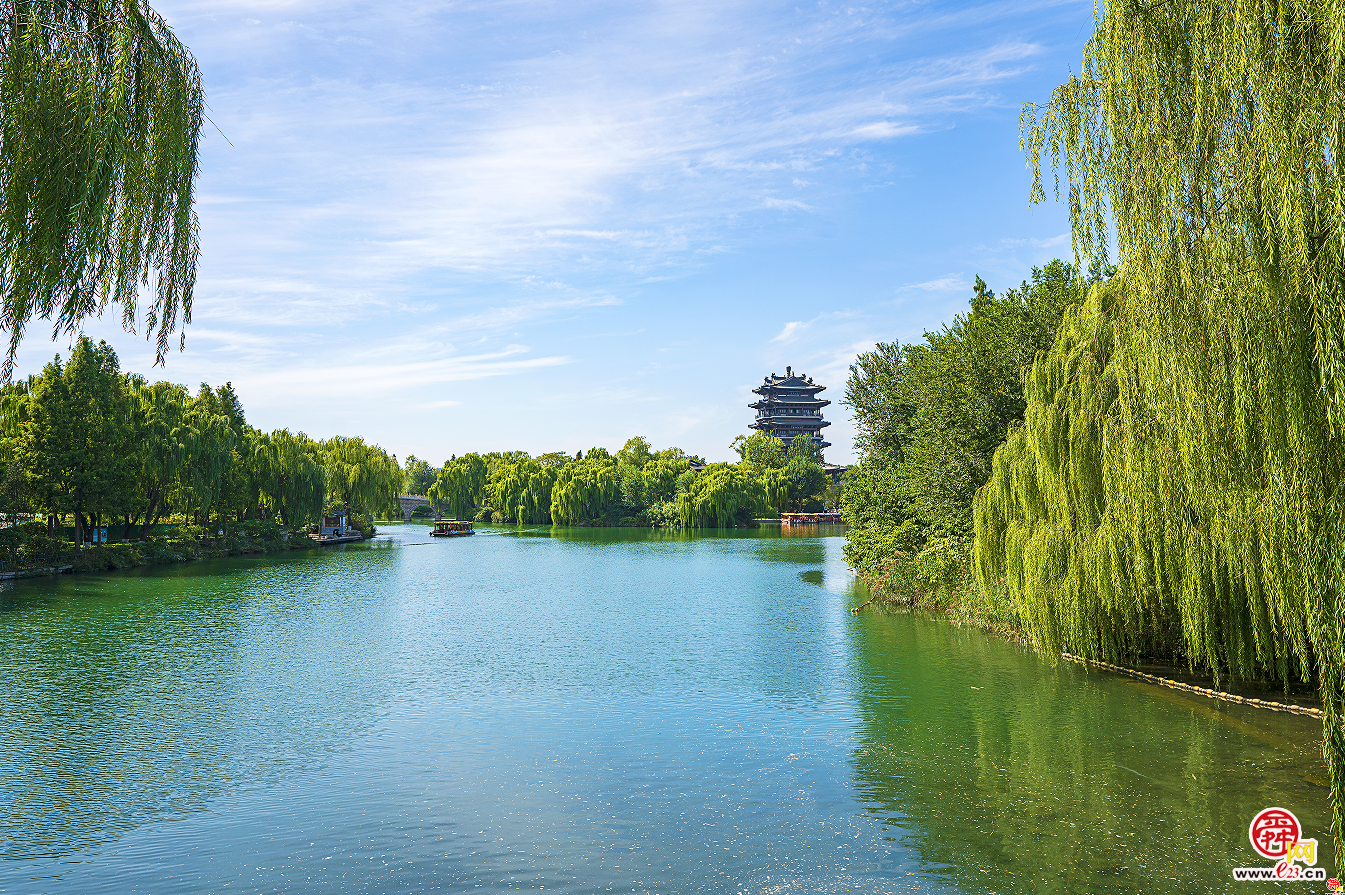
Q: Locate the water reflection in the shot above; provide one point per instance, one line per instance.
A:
(108, 724)
(1011, 775)
(585, 710)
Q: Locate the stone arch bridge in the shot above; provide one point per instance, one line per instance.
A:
(407, 503)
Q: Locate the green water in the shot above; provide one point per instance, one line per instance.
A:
(594, 710)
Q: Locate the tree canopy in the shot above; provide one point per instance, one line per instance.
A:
(86, 439)
(930, 416)
(1210, 377)
(100, 117)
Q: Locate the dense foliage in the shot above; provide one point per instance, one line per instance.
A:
(929, 419)
(83, 439)
(1179, 482)
(100, 117)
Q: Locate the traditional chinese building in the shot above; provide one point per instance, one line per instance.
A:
(789, 406)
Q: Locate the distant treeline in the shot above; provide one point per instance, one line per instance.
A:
(637, 487)
(104, 448)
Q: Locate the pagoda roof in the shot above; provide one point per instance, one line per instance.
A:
(790, 380)
(789, 401)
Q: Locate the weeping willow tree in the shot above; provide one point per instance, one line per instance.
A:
(100, 116)
(460, 484)
(522, 491)
(723, 496)
(585, 489)
(291, 475)
(1179, 479)
(168, 439)
(210, 454)
(361, 476)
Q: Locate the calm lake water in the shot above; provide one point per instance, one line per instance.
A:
(592, 711)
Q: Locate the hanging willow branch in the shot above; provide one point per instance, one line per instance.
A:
(100, 117)
(1178, 484)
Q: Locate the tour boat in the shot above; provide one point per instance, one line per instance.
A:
(810, 519)
(447, 529)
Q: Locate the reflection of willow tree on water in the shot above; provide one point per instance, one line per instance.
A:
(1053, 780)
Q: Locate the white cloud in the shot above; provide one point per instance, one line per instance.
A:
(953, 282)
(791, 331)
(882, 130)
(786, 204)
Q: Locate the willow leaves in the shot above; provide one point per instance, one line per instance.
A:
(1178, 480)
(100, 117)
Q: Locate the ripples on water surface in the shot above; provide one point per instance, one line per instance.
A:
(590, 710)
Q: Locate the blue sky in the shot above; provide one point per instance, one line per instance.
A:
(545, 226)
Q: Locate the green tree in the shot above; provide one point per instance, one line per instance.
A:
(760, 451)
(636, 452)
(292, 476)
(931, 415)
(660, 478)
(210, 454)
(555, 458)
(676, 453)
(585, 489)
(166, 442)
(632, 484)
(100, 116)
(722, 496)
(805, 447)
(75, 442)
(805, 478)
(361, 477)
(876, 395)
(460, 485)
(775, 483)
(420, 475)
(1207, 138)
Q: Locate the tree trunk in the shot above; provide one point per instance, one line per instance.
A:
(152, 510)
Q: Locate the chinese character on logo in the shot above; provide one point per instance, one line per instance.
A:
(1273, 831)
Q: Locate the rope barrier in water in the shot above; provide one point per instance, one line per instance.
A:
(1203, 691)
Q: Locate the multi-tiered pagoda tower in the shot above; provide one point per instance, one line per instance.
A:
(789, 406)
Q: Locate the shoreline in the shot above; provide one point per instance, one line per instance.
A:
(971, 613)
(146, 554)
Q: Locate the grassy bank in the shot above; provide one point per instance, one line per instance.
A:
(938, 578)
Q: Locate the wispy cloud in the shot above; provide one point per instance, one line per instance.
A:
(795, 204)
(632, 148)
(790, 332)
(954, 282)
(443, 205)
